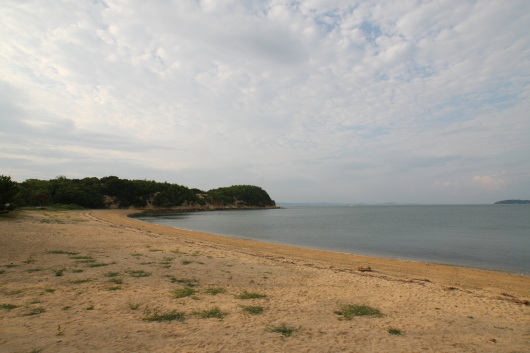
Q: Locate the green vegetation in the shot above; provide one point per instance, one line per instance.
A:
(134, 305)
(92, 192)
(182, 292)
(63, 252)
(8, 190)
(187, 282)
(59, 273)
(139, 273)
(112, 274)
(283, 329)
(252, 309)
(395, 331)
(348, 311)
(250, 295)
(8, 306)
(212, 313)
(156, 315)
(215, 291)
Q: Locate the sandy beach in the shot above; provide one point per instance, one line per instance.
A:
(97, 281)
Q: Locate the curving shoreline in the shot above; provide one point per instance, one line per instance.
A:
(69, 277)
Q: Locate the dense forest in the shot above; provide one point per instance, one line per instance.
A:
(113, 192)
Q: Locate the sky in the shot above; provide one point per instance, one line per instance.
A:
(410, 101)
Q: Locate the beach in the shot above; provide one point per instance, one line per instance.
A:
(97, 281)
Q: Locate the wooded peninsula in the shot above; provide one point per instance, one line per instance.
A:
(113, 192)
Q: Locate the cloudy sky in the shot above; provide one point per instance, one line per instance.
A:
(315, 101)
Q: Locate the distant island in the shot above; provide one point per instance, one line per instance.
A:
(512, 202)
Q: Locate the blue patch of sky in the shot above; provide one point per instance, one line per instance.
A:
(371, 30)
(328, 20)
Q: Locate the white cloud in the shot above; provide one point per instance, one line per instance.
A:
(393, 96)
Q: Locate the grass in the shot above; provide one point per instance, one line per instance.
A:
(395, 331)
(183, 292)
(8, 306)
(112, 274)
(78, 270)
(134, 305)
(116, 280)
(2, 272)
(283, 329)
(139, 273)
(212, 313)
(114, 288)
(186, 262)
(253, 309)
(36, 311)
(155, 250)
(187, 282)
(31, 270)
(156, 315)
(49, 290)
(215, 291)
(348, 311)
(250, 295)
(59, 273)
(79, 281)
(81, 257)
(63, 252)
(91, 307)
(101, 264)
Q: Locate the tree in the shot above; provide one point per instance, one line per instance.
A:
(8, 190)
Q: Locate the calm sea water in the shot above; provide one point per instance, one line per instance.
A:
(495, 237)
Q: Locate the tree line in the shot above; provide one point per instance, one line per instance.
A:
(111, 191)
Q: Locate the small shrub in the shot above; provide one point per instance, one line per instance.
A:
(133, 305)
(139, 273)
(183, 292)
(116, 280)
(250, 295)
(212, 313)
(156, 315)
(186, 262)
(112, 274)
(215, 291)
(2, 272)
(78, 270)
(79, 281)
(100, 264)
(91, 307)
(283, 329)
(253, 309)
(395, 331)
(59, 273)
(348, 311)
(114, 288)
(8, 306)
(155, 250)
(63, 252)
(49, 290)
(187, 282)
(31, 270)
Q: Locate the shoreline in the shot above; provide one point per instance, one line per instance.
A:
(430, 263)
(449, 275)
(67, 277)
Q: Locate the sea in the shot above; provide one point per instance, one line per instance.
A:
(488, 237)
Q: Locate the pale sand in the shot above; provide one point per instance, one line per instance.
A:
(439, 308)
